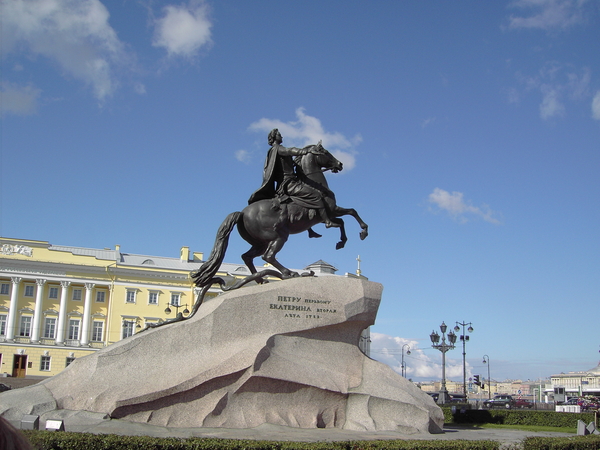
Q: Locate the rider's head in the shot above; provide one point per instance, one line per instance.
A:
(275, 136)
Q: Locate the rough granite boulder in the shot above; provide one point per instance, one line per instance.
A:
(284, 353)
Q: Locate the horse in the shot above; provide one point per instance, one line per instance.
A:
(256, 223)
(309, 170)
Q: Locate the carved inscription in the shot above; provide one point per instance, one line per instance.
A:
(299, 308)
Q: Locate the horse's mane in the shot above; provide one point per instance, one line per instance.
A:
(298, 159)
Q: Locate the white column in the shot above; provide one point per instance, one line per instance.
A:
(37, 313)
(62, 313)
(12, 313)
(87, 312)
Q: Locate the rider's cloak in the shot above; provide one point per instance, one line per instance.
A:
(272, 173)
(277, 182)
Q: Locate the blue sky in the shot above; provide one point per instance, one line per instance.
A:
(470, 133)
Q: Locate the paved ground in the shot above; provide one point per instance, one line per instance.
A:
(16, 383)
(95, 423)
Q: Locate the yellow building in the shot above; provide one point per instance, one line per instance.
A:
(58, 303)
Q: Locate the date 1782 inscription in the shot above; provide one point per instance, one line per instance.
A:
(298, 308)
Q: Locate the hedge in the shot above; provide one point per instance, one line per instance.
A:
(53, 440)
(590, 442)
(517, 417)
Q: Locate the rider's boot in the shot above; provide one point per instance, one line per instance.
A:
(326, 219)
(282, 217)
(313, 234)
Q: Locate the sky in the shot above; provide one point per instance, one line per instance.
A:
(469, 133)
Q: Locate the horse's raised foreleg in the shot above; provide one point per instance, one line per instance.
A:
(343, 237)
(339, 211)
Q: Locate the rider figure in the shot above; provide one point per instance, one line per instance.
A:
(280, 181)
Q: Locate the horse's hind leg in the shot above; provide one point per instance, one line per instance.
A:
(248, 257)
(272, 250)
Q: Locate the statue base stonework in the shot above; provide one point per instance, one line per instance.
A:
(284, 353)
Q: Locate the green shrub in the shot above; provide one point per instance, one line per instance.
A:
(517, 417)
(50, 440)
(590, 442)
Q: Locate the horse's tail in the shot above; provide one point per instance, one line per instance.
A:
(203, 275)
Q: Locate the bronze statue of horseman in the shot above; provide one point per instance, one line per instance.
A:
(293, 198)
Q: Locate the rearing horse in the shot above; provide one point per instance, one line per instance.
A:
(256, 222)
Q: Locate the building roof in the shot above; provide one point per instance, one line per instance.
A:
(593, 371)
(105, 254)
(186, 262)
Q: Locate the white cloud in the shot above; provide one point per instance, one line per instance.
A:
(459, 209)
(243, 156)
(513, 96)
(427, 122)
(19, 100)
(549, 14)
(578, 86)
(388, 350)
(558, 84)
(184, 29)
(75, 34)
(308, 130)
(139, 88)
(551, 105)
(596, 106)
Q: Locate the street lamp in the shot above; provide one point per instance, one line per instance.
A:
(443, 396)
(168, 309)
(486, 360)
(403, 365)
(464, 338)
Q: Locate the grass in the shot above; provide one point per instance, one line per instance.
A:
(530, 428)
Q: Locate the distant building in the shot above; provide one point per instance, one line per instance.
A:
(58, 303)
(577, 384)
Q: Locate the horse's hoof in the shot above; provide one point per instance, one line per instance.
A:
(363, 234)
(340, 245)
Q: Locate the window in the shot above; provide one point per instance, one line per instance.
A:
(73, 329)
(70, 359)
(97, 331)
(175, 299)
(29, 290)
(153, 298)
(49, 327)
(128, 328)
(130, 296)
(77, 294)
(25, 329)
(4, 288)
(53, 292)
(100, 296)
(45, 363)
(2, 324)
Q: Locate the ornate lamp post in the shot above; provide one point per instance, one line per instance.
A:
(404, 365)
(186, 311)
(486, 360)
(464, 338)
(443, 347)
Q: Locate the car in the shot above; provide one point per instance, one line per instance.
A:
(522, 403)
(587, 403)
(458, 398)
(500, 401)
(454, 398)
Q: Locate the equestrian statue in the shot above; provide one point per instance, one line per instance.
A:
(293, 197)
